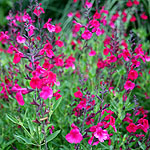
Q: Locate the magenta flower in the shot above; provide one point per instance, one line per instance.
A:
(51, 28)
(46, 92)
(86, 34)
(20, 39)
(92, 53)
(38, 10)
(35, 82)
(17, 57)
(101, 134)
(74, 136)
(78, 94)
(19, 98)
(131, 127)
(129, 85)
(132, 75)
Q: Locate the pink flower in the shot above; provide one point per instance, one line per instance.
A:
(101, 134)
(92, 53)
(57, 28)
(59, 61)
(86, 34)
(69, 62)
(112, 58)
(35, 82)
(106, 51)
(59, 43)
(129, 3)
(129, 85)
(4, 37)
(17, 57)
(99, 31)
(133, 18)
(136, 2)
(70, 14)
(46, 92)
(88, 4)
(143, 16)
(74, 136)
(38, 10)
(132, 75)
(131, 127)
(20, 39)
(49, 53)
(78, 94)
(57, 95)
(19, 98)
(50, 27)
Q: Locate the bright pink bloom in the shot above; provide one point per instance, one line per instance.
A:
(46, 92)
(78, 15)
(136, 2)
(86, 34)
(106, 51)
(70, 14)
(101, 134)
(49, 53)
(88, 4)
(129, 3)
(143, 16)
(112, 58)
(4, 37)
(99, 31)
(77, 27)
(17, 57)
(92, 53)
(96, 15)
(31, 30)
(69, 62)
(35, 82)
(57, 95)
(78, 94)
(59, 61)
(38, 10)
(75, 1)
(74, 136)
(57, 28)
(143, 124)
(131, 127)
(133, 18)
(132, 75)
(129, 85)
(104, 11)
(100, 64)
(50, 27)
(19, 98)
(20, 39)
(59, 43)
(94, 23)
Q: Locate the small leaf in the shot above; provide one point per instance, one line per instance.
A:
(14, 120)
(52, 136)
(142, 146)
(24, 139)
(56, 104)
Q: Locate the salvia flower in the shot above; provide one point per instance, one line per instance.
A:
(129, 85)
(74, 136)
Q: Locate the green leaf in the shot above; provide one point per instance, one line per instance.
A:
(24, 139)
(31, 126)
(56, 104)
(52, 136)
(142, 146)
(14, 120)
